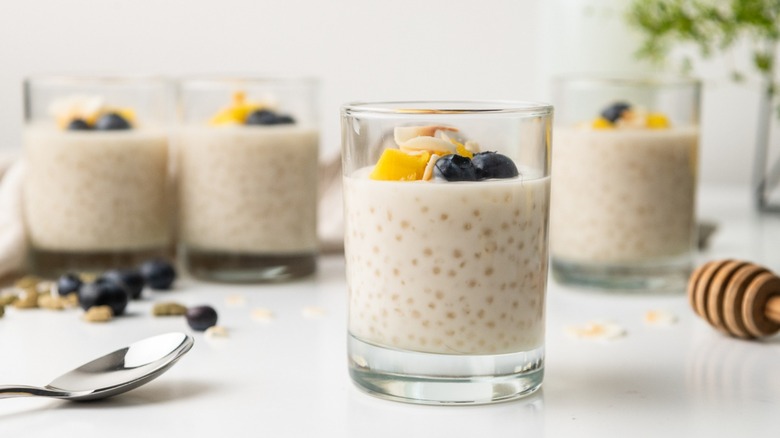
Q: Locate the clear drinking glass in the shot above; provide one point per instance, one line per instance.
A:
(446, 278)
(97, 190)
(248, 153)
(623, 209)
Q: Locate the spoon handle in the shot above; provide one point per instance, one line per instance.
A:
(9, 391)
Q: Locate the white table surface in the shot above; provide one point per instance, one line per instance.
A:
(289, 377)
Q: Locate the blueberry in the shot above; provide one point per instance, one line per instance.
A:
(158, 274)
(284, 119)
(454, 168)
(615, 111)
(261, 117)
(493, 165)
(78, 125)
(103, 293)
(130, 279)
(68, 283)
(112, 122)
(201, 317)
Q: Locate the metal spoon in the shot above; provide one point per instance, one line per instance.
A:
(114, 373)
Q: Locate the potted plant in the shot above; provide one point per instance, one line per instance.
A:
(715, 27)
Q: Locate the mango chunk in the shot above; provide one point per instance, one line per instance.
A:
(397, 165)
(601, 123)
(657, 121)
(237, 112)
(463, 152)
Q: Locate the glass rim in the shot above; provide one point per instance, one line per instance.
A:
(641, 80)
(448, 107)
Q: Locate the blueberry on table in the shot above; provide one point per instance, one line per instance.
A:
(158, 274)
(103, 293)
(615, 111)
(112, 122)
(130, 279)
(493, 165)
(454, 168)
(201, 317)
(78, 125)
(261, 117)
(68, 283)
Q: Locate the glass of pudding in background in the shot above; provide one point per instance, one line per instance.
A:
(97, 191)
(446, 210)
(248, 155)
(625, 166)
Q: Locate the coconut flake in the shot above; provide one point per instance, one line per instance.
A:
(597, 331)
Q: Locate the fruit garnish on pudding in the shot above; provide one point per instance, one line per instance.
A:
(623, 115)
(91, 113)
(242, 111)
(439, 153)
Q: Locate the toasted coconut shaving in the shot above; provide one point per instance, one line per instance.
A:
(401, 134)
(428, 173)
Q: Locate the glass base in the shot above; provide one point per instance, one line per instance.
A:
(52, 264)
(444, 379)
(226, 267)
(670, 276)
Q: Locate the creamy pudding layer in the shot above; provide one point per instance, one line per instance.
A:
(623, 195)
(249, 189)
(89, 191)
(453, 268)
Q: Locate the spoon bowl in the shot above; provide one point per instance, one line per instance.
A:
(115, 373)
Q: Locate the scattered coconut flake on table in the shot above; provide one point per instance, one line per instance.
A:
(216, 331)
(236, 300)
(597, 331)
(262, 314)
(313, 312)
(660, 318)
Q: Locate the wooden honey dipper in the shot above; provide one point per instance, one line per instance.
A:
(738, 298)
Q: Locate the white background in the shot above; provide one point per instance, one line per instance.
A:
(360, 49)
